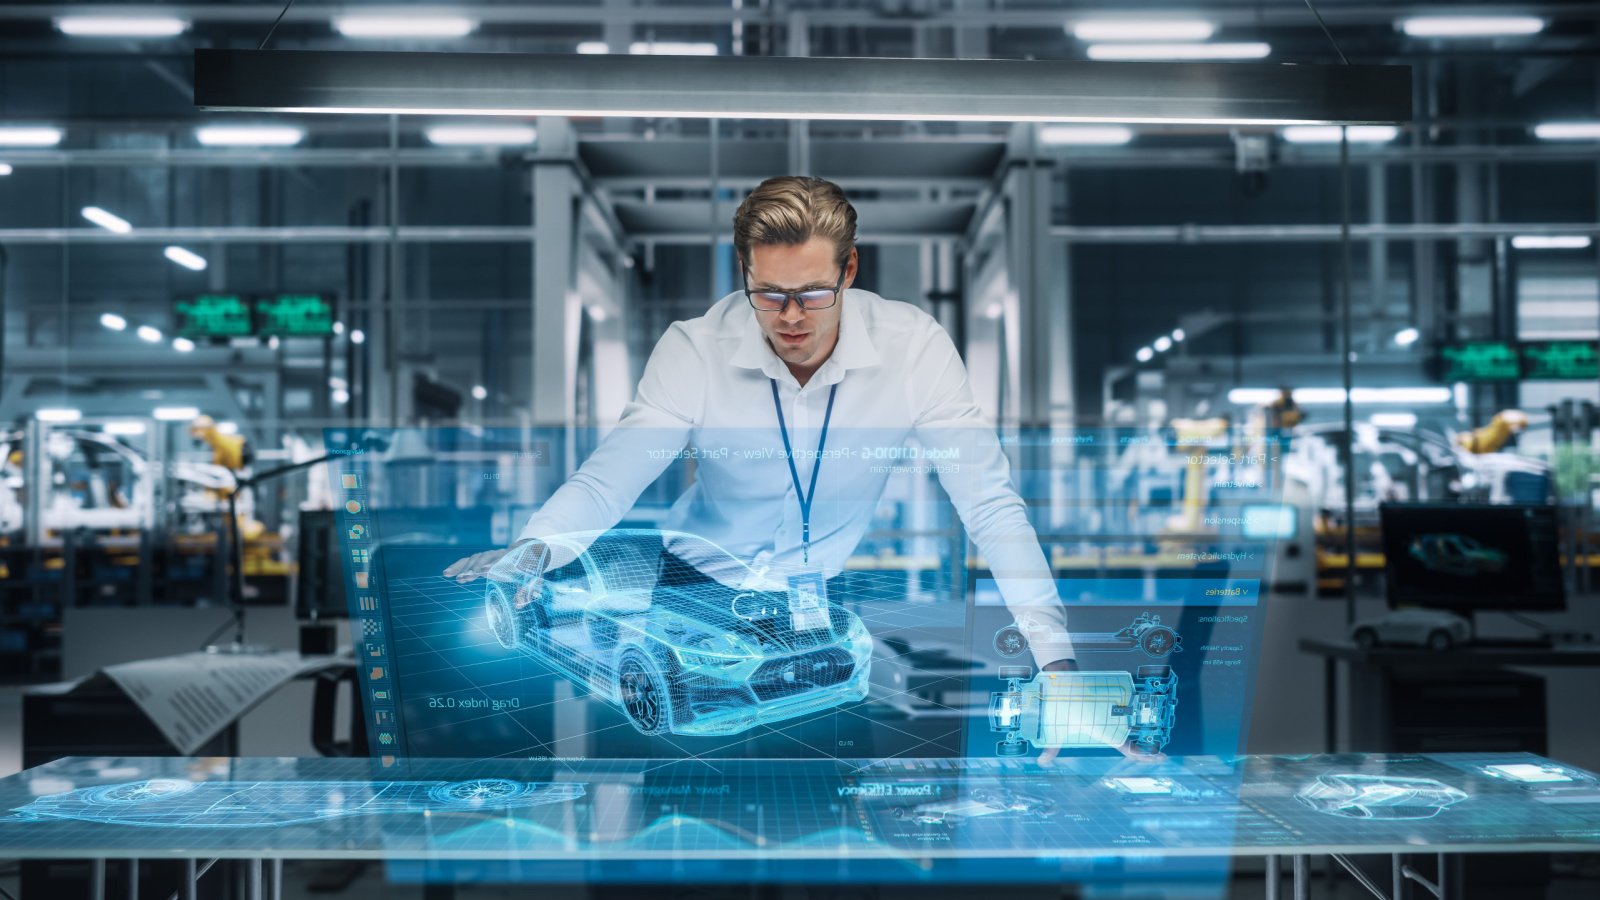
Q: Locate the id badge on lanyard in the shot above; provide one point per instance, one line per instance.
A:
(808, 591)
(808, 601)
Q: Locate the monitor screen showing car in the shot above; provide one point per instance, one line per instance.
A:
(1472, 556)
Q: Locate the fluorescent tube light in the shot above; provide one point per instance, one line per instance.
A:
(113, 321)
(479, 392)
(1143, 30)
(593, 48)
(121, 26)
(1145, 354)
(227, 427)
(404, 26)
(1163, 344)
(357, 336)
(1471, 26)
(1551, 241)
(340, 397)
(124, 429)
(1093, 135)
(1329, 134)
(1395, 420)
(106, 220)
(149, 334)
(186, 258)
(182, 344)
(1177, 335)
(175, 413)
(249, 135)
(1324, 396)
(1127, 52)
(499, 135)
(1405, 337)
(58, 414)
(1567, 131)
(5, 169)
(29, 136)
(671, 48)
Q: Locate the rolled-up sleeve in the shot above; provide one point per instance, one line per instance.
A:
(976, 474)
(668, 404)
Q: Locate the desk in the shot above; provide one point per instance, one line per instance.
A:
(909, 820)
(1468, 658)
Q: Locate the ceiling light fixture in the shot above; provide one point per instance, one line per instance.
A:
(186, 258)
(1143, 30)
(1176, 51)
(175, 413)
(108, 221)
(404, 26)
(249, 135)
(1085, 135)
(1329, 134)
(58, 415)
(1551, 241)
(497, 135)
(1471, 26)
(1567, 131)
(113, 321)
(29, 136)
(121, 26)
(149, 334)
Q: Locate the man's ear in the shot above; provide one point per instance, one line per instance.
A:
(851, 268)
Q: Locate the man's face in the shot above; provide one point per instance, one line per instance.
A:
(799, 336)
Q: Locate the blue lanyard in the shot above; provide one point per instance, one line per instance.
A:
(805, 497)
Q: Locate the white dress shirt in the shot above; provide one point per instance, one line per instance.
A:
(706, 394)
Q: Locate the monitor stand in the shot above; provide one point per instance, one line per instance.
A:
(1540, 641)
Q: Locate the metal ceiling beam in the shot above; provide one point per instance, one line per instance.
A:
(879, 221)
(797, 88)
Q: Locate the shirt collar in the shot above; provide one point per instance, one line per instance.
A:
(854, 350)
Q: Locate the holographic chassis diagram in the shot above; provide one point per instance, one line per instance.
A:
(1084, 710)
(695, 660)
(175, 803)
(1145, 633)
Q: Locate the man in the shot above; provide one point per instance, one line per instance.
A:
(794, 356)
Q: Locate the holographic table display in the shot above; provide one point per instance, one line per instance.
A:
(749, 810)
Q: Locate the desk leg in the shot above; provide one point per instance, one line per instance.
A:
(1274, 877)
(1302, 878)
(1330, 701)
(191, 879)
(1397, 880)
(133, 879)
(253, 879)
(97, 880)
(277, 879)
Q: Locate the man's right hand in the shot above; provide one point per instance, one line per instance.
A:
(475, 566)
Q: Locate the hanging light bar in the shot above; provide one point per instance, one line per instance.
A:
(748, 87)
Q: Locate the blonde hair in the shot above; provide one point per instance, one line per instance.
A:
(792, 209)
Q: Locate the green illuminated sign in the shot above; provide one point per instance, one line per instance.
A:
(1561, 361)
(213, 315)
(1483, 361)
(295, 315)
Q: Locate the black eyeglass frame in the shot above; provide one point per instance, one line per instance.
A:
(791, 296)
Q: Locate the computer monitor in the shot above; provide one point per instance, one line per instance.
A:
(1468, 557)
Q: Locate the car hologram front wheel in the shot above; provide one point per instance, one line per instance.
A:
(1010, 642)
(643, 693)
(502, 616)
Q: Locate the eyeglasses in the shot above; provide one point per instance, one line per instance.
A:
(778, 301)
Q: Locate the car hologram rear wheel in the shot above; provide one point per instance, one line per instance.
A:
(643, 693)
(1011, 748)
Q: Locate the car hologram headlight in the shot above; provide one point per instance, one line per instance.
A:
(705, 650)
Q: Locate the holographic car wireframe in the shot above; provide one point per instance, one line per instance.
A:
(1145, 633)
(1084, 710)
(1356, 796)
(176, 803)
(680, 660)
(978, 803)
